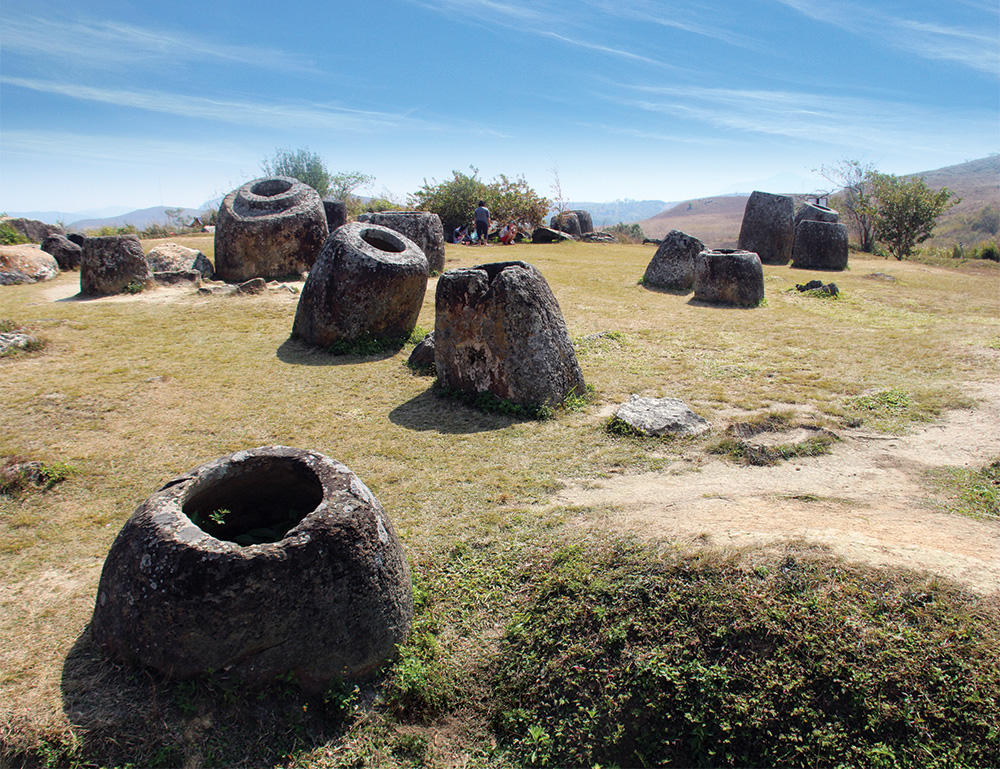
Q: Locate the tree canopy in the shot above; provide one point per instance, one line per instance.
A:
(306, 166)
(853, 178)
(454, 200)
(905, 211)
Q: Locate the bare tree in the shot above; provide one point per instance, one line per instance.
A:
(853, 181)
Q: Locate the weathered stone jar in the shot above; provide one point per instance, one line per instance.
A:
(110, 264)
(672, 266)
(768, 227)
(820, 246)
(499, 329)
(422, 227)
(261, 563)
(368, 283)
(269, 228)
(727, 276)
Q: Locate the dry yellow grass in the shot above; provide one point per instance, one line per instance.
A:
(132, 391)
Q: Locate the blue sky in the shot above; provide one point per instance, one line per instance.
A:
(141, 104)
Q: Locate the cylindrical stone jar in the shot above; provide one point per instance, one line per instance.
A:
(768, 227)
(820, 246)
(368, 283)
(727, 276)
(266, 562)
(269, 228)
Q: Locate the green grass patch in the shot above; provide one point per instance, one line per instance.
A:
(744, 443)
(975, 493)
(624, 656)
(20, 475)
(890, 410)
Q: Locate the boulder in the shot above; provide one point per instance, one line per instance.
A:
(421, 359)
(368, 283)
(76, 237)
(672, 266)
(585, 219)
(661, 416)
(820, 246)
(112, 263)
(268, 562)
(499, 329)
(177, 278)
(26, 263)
(567, 222)
(598, 237)
(252, 287)
(768, 227)
(815, 212)
(67, 253)
(422, 227)
(11, 342)
(269, 228)
(727, 276)
(169, 257)
(34, 230)
(549, 235)
(336, 213)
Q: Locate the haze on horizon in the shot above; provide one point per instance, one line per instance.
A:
(140, 105)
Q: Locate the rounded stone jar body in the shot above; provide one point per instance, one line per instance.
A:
(269, 228)
(330, 597)
(727, 276)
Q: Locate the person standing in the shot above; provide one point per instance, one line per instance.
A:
(482, 217)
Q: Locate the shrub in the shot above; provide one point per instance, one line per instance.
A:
(9, 236)
(626, 233)
(988, 251)
(623, 656)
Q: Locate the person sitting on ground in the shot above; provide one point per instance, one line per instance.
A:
(508, 233)
(461, 235)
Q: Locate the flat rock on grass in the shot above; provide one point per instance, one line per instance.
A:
(661, 416)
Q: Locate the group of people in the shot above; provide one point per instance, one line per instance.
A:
(481, 217)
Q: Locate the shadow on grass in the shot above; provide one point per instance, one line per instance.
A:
(428, 411)
(720, 305)
(665, 290)
(129, 716)
(297, 353)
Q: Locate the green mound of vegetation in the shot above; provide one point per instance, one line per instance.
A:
(624, 657)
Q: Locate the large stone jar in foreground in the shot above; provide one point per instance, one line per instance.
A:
(331, 598)
(728, 276)
(368, 283)
(499, 329)
(422, 227)
(269, 228)
(111, 264)
(768, 227)
(820, 246)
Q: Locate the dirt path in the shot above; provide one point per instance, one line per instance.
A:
(867, 500)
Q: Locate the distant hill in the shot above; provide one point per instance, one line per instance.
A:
(616, 211)
(139, 219)
(716, 221)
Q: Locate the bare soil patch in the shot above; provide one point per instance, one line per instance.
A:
(868, 500)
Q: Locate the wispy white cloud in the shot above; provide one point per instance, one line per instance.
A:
(112, 45)
(865, 124)
(317, 117)
(967, 47)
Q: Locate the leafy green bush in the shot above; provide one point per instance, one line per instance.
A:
(455, 200)
(626, 657)
(10, 237)
(626, 233)
(988, 251)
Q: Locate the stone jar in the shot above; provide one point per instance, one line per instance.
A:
(820, 246)
(422, 227)
(325, 592)
(727, 276)
(768, 227)
(368, 283)
(585, 219)
(815, 212)
(499, 329)
(112, 263)
(568, 222)
(672, 266)
(269, 228)
(67, 253)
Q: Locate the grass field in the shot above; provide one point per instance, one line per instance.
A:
(131, 391)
